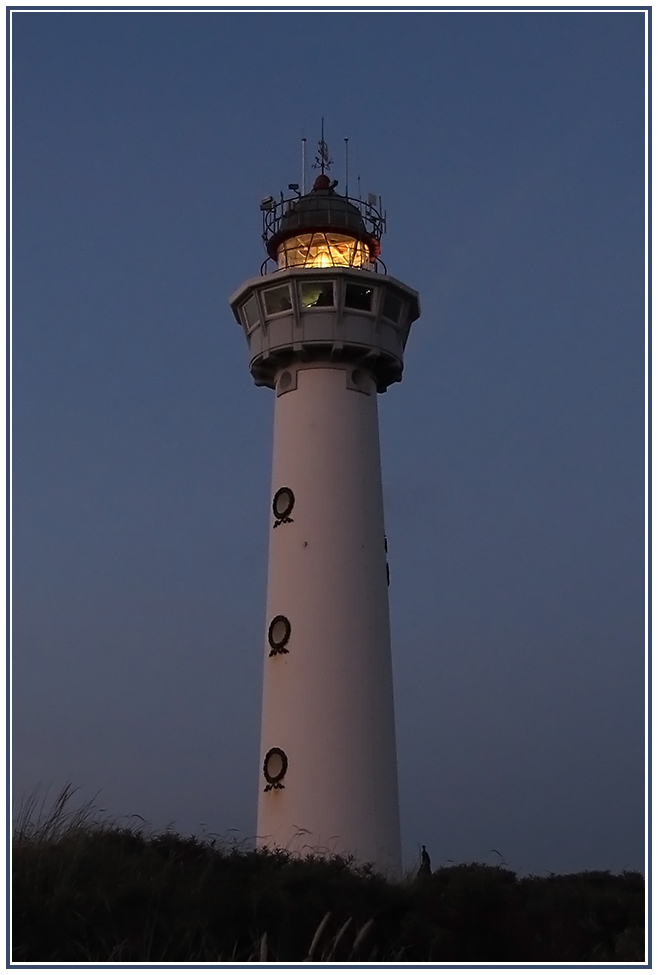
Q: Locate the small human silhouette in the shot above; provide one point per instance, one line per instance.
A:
(425, 862)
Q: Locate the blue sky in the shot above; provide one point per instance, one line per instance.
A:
(508, 149)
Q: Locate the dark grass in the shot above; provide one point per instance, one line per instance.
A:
(91, 891)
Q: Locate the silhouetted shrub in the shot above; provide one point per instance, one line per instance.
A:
(85, 891)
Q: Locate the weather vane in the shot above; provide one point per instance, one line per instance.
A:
(322, 160)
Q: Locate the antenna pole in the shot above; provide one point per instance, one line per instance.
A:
(346, 169)
(303, 166)
(322, 160)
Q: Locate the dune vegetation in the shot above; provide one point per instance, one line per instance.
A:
(89, 890)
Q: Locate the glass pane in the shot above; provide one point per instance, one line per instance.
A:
(392, 306)
(316, 294)
(283, 503)
(250, 312)
(357, 296)
(322, 250)
(274, 765)
(279, 633)
(277, 299)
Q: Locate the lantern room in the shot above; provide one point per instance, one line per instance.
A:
(329, 297)
(322, 229)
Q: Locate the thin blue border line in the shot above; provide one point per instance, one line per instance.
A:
(649, 876)
(7, 477)
(510, 966)
(538, 8)
(648, 10)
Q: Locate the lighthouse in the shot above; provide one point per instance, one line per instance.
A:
(326, 329)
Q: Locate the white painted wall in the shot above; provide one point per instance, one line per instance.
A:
(328, 703)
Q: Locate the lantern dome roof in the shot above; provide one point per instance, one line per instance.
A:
(320, 210)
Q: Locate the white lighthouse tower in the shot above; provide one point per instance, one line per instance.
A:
(326, 330)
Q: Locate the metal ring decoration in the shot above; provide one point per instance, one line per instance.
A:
(282, 504)
(274, 778)
(278, 642)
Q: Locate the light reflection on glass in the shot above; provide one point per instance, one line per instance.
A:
(322, 250)
(316, 294)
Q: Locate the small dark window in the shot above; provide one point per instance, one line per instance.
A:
(317, 294)
(392, 307)
(250, 313)
(278, 635)
(275, 767)
(285, 380)
(283, 503)
(357, 296)
(277, 300)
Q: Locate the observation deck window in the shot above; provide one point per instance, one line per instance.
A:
(358, 296)
(393, 305)
(277, 300)
(316, 294)
(322, 250)
(250, 313)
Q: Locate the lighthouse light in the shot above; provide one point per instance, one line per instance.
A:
(322, 250)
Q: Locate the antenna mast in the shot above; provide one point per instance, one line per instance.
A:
(322, 160)
(346, 168)
(303, 166)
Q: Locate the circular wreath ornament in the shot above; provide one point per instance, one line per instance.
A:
(275, 767)
(278, 634)
(282, 504)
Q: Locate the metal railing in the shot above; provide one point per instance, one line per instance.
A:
(274, 212)
(378, 267)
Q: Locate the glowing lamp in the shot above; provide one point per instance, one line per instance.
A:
(322, 249)
(322, 229)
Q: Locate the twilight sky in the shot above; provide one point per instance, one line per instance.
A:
(508, 149)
